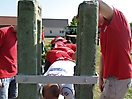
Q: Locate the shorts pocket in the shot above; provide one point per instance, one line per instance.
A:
(109, 90)
(5, 84)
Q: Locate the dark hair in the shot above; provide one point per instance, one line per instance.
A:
(53, 89)
(42, 27)
(52, 46)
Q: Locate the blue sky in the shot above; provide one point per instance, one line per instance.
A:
(63, 9)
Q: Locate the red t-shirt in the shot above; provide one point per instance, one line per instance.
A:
(68, 50)
(8, 52)
(42, 35)
(72, 46)
(58, 38)
(55, 55)
(59, 44)
(115, 47)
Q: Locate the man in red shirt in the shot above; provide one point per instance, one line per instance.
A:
(8, 62)
(60, 39)
(55, 55)
(68, 50)
(42, 41)
(58, 44)
(115, 64)
(58, 52)
(72, 46)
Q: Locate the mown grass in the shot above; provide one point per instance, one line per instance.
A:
(96, 89)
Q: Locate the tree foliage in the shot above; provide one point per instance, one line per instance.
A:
(74, 21)
(131, 26)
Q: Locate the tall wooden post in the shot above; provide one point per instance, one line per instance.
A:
(86, 46)
(29, 48)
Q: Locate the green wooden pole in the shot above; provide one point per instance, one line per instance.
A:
(86, 46)
(29, 40)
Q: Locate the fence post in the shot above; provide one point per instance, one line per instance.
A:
(29, 45)
(86, 46)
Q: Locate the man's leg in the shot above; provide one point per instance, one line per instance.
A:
(4, 88)
(13, 89)
(42, 47)
(115, 89)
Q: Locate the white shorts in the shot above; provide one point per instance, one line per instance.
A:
(114, 88)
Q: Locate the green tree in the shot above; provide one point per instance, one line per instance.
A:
(74, 21)
(131, 26)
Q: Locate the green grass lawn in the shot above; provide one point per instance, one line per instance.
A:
(96, 90)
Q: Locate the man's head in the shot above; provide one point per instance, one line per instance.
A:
(51, 91)
(42, 28)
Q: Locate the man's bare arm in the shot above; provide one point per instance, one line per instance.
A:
(101, 69)
(106, 10)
